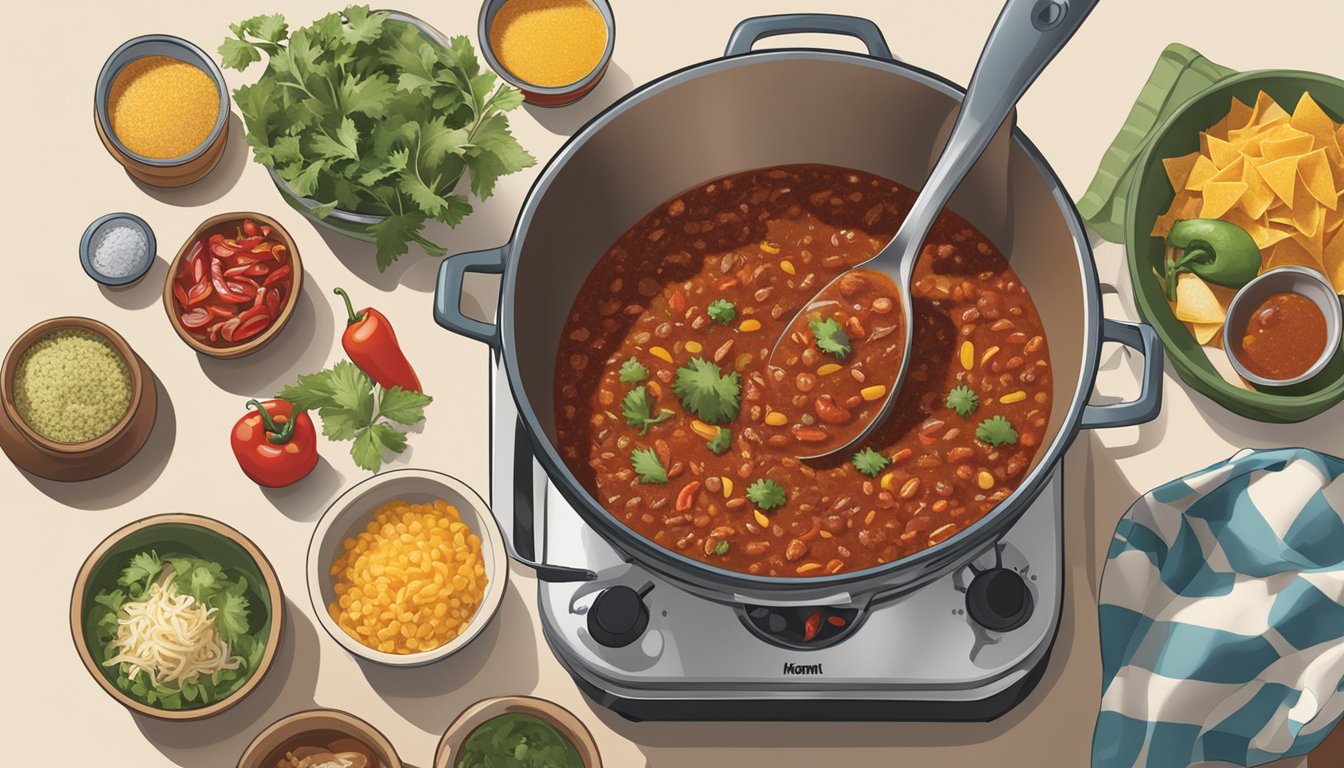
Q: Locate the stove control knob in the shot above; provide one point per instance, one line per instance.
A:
(999, 600)
(617, 617)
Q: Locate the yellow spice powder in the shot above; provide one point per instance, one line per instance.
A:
(548, 43)
(161, 107)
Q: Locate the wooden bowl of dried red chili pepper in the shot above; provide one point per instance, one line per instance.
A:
(233, 284)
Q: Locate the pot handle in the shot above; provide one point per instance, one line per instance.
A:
(749, 31)
(448, 292)
(1144, 408)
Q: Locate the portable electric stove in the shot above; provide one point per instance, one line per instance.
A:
(969, 646)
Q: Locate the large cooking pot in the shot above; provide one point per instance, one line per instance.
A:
(763, 108)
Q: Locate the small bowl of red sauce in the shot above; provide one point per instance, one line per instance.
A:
(1283, 327)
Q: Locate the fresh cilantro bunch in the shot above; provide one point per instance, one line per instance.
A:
(996, 431)
(648, 466)
(211, 585)
(870, 462)
(364, 113)
(963, 400)
(352, 407)
(721, 311)
(637, 409)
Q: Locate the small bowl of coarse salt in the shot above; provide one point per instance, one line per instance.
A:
(117, 249)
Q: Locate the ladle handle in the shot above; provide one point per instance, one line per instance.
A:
(1025, 38)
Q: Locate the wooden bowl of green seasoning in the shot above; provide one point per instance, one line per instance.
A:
(78, 402)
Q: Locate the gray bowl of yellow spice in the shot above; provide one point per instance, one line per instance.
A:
(78, 402)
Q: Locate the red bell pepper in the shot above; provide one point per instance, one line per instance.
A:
(274, 446)
(372, 345)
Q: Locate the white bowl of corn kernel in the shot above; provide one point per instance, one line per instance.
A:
(407, 567)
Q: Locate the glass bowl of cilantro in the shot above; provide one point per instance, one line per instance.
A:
(369, 120)
(174, 587)
(522, 731)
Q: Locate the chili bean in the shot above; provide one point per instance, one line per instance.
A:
(754, 548)
(1002, 325)
(855, 327)
(901, 455)
(851, 284)
(735, 503)
(853, 401)
(811, 357)
(713, 484)
(871, 538)
(928, 461)
(829, 411)
(932, 426)
(672, 520)
(809, 434)
(804, 382)
(882, 305)
(1028, 439)
(794, 550)
(885, 500)
(1034, 345)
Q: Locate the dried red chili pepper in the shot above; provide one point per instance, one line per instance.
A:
(811, 626)
(372, 345)
(274, 446)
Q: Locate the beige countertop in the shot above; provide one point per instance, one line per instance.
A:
(60, 178)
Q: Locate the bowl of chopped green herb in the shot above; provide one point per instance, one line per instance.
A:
(177, 616)
(517, 730)
(78, 402)
(378, 148)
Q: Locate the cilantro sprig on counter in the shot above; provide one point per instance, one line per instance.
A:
(767, 494)
(870, 462)
(352, 407)
(637, 409)
(996, 431)
(963, 400)
(831, 338)
(708, 393)
(364, 113)
(648, 466)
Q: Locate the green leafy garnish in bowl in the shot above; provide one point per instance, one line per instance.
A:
(767, 494)
(831, 338)
(365, 114)
(707, 392)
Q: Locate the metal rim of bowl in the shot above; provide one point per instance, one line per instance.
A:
(1334, 316)
(42, 330)
(86, 245)
(81, 586)
(359, 729)
(340, 214)
(561, 718)
(286, 311)
(197, 58)
(318, 568)
(490, 8)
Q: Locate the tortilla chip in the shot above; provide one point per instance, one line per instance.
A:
(1199, 302)
(1258, 195)
(1290, 253)
(1275, 149)
(1333, 261)
(1255, 227)
(1178, 168)
(1316, 176)
(1223, 153)
(1266, 111)
(1200, 172)
(1308, 117)
(1204, 332)
(1275, 232)
(1220, 196)
(1281, 176)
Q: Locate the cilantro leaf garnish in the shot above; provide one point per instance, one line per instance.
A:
(831, 338)
(996, 431)
(706, 392)
(633, 371)
(767, 494)
(721, 548)
(351, 407)
(721, 311)
(638, 410)
(870, 462)
(648, 466)
(142, 569)
(963, 400)
(721, 442)
(362, 112)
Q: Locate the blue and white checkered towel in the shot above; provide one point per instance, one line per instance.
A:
(1222, 616)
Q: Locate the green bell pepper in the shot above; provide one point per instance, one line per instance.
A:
(1218, 251)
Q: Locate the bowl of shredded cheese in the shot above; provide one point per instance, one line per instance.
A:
(554, 51)
(161, 107)
(177, 616)
(407, 567)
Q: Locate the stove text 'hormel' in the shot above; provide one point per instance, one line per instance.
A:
(802, 669)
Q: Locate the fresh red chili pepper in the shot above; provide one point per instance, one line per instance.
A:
(372, 345)
(250, 227)
(279, 274)
(836, 621)
(812, 626)
(274, 446)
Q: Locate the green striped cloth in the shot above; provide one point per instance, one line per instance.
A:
(1181, 73)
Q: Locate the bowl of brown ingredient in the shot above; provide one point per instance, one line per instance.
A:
(78, 402)
(320, 737)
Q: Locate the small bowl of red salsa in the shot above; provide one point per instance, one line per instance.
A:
(1283, 327)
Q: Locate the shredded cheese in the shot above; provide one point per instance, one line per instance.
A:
(170, 639)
